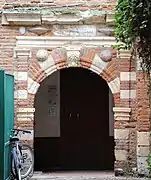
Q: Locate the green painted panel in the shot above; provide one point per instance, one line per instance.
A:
(2, 79)
(6, 122)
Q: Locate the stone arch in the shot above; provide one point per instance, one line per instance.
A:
(59, 58)
(38, 70)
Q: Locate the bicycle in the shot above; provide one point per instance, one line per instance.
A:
(22, 157)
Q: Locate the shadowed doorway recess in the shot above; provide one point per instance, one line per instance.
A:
(82, 141)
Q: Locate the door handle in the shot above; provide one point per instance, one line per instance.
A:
(70, 115)
(78, 115)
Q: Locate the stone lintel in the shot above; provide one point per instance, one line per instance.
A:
(56, 42)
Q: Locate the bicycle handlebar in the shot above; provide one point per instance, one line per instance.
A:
(21, 130)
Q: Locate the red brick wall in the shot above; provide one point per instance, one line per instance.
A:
(99, 4)
(139, 120)
(142, 106)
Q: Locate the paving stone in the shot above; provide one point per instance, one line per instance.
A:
(82, 177)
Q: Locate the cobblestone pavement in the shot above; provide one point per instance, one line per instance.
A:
(81, 176)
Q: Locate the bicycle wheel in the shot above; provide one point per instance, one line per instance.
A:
(27, 161)
(15, 170)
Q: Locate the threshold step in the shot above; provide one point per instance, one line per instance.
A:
(80, 176)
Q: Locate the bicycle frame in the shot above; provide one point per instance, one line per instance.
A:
(17, 153)
(17, 156)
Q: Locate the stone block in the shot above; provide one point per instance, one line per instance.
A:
(121, 114)
(121, 155)
(51, 70)
(128, 76)
(115, 85)
(62, 19)
(32, 86)
(21, 18)
(26, 110)
(98, 19)
(27, 136)
(143, 151)
(24, 119)
(126, 94)
(98, 65)
(143, 138)
(142, 165)
(20, 76)
(122, 134)
(75, 30)
(49, 63)
(20, 94)
(122, 109)
(73, 58)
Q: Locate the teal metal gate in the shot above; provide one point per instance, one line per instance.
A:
(6, 121)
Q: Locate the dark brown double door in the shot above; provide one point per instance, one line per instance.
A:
(84, 142)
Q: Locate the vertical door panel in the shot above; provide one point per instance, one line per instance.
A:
(6, 121)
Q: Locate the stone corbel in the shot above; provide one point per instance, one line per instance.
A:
(22, 52)
(124, 54)
(121, 114)
(110, 18)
